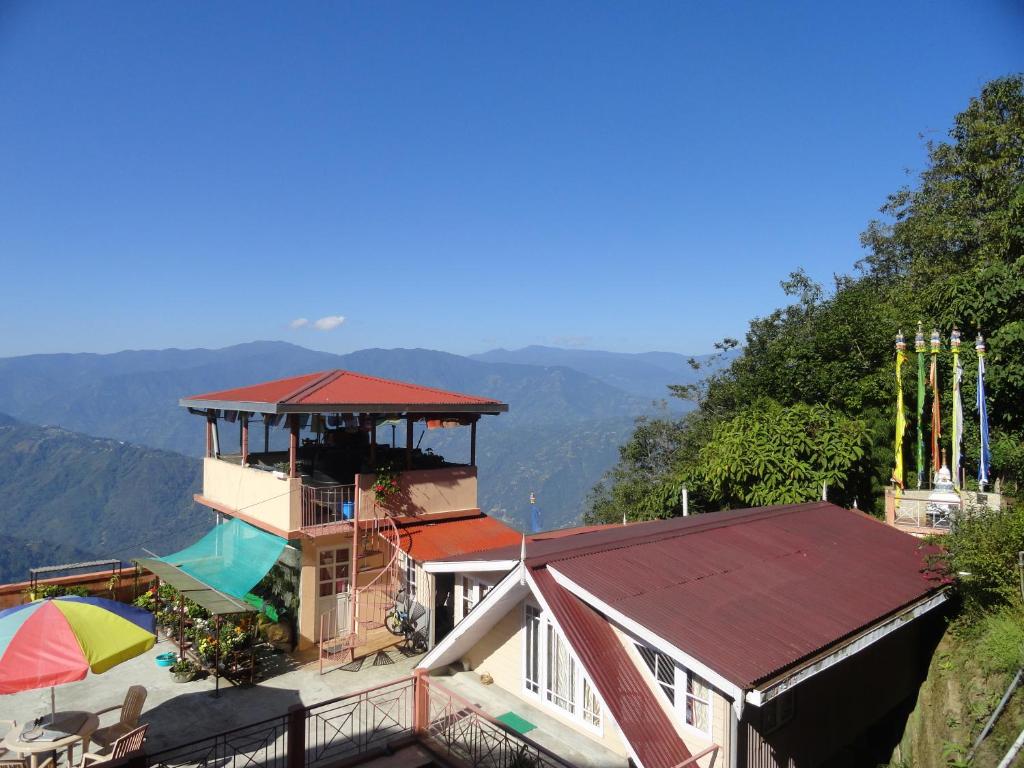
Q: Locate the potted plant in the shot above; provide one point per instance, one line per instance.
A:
(385, 485)
(183, 670)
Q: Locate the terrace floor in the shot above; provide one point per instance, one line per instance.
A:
(183, 712)
(550, 733)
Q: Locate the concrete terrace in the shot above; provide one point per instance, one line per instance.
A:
(179, 713)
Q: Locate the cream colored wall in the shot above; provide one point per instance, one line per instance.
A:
(425, 491)
(500, 654)
(695, 741)
(254, 492)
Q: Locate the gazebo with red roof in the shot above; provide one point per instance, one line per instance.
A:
(358, 511)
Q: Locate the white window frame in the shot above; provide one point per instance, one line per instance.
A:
(409, 571)
(473, 591)
(680, 697)
(539, 690)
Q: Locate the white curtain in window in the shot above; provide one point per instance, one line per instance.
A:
(561, 671)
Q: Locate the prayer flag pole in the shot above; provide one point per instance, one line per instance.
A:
(983, 462)
(933, 379)
(919, 347)
(958, 407)
(901, 420)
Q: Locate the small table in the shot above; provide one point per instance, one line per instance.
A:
(90, 722)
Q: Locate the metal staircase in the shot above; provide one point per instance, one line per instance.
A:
(370, 603)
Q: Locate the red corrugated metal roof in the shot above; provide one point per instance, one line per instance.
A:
(443, 539)
(641, 719)
(748, 592)
(342, 391)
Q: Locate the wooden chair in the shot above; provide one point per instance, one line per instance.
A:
(127, 745)
(22, 762)
(131, 709)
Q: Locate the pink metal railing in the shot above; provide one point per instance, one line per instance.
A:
(369, 603)
(328, 509)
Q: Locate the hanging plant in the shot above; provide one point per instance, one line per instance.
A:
(385, 486)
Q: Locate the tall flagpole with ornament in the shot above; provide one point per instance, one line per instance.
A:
(958, 407)
(933, 380)
(920, 349)
(901, 419)
(983, 462)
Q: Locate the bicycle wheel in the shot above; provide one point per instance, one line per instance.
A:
(394, 623)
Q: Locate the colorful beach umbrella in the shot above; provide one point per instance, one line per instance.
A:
(59, 640)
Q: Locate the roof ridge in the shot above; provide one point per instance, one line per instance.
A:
(411, 385)
(321, 379)
(753, 513)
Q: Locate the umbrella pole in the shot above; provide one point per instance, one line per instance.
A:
(53, 704)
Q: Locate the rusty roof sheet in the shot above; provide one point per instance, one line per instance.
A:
(342, 391)
(641, 719)
(748, 592)
(444, 539)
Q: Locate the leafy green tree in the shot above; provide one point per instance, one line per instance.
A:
(949, 251)
(771, 454)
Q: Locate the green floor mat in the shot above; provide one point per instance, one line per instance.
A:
(514, 721)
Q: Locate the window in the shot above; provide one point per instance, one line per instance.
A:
(663, 669)
(591, 705)
(688, 693)
(532, 672)
(561, 671)
(550, 671)
(776, 712)
(468, 595)
(410, 579)
(698, 703)
(473, 592)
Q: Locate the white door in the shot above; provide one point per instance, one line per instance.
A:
(333, 585)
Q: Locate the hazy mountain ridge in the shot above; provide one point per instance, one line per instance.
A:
(642, 374)
(562, 432)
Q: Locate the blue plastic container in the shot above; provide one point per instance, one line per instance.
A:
(166, 659)
(347, 508)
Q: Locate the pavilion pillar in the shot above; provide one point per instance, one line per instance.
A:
(373, 442)
(472, 443)
(209, 434)
(293, 447)
(245, 439)
(408, 441)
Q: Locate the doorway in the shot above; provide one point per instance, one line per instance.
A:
(334, 569)
(444, 605)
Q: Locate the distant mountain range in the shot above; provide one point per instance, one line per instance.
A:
(643, 374)
(569, 412)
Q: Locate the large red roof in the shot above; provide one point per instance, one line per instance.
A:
(750, 592)
(344, 392)
(442, 539)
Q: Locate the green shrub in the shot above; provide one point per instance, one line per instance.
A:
(1001, 643)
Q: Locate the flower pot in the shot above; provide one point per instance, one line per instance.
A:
(183, 677)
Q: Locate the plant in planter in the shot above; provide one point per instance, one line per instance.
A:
(385, 485)
(183, 670)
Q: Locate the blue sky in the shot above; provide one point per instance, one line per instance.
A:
(456, 176)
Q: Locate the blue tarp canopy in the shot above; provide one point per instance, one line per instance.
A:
(220, 569)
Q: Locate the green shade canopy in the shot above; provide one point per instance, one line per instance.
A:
(220, 569)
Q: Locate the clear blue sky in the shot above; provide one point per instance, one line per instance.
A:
(457, 176)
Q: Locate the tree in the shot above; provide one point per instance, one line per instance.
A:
(770, 454)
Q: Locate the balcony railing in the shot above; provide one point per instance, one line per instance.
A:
(356, 727)
(922, 513)
(327, 508)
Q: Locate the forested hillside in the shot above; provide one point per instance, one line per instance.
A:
(811, 396)
(67, 497)
(561, 434)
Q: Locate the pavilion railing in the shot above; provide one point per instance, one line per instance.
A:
(327, 508)
(360, 726)
(921, 513)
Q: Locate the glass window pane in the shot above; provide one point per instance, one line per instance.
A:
(325, 574)
(325, 589)
(327, 557)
